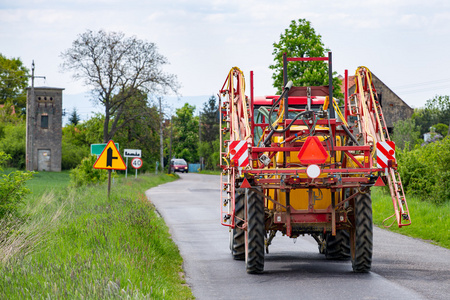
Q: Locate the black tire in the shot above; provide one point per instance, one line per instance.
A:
(338, 246)
(361, 237)
(254, 255)
(238, 234)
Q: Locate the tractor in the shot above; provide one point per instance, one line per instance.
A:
(303, 163)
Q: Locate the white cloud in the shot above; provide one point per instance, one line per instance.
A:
(204, 39)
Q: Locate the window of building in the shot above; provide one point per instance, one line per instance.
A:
(44, 121)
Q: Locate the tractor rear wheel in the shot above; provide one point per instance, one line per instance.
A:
(254, 250)
(361, 236)
(338, 246)
(238, 234)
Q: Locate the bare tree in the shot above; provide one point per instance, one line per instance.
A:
(117, 68)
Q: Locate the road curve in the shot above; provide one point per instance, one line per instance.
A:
(402, 268)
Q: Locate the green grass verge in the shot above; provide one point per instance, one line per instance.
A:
(429, 222)
(95, 248)
(209, 172)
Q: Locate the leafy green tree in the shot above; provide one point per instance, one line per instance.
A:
(424, 118)
(74, 147)
(12, 142)
(437, 110)
(74, 117)
(440, 105)
(141, 131)
(12, 189)
(442, 129)
(76, 140)
(210, 153)
(209, 118)
(12, 136)
(91, 131)
(117, 68)
(406, 132)
(301, 40)
(185, 135)
(8, 114)
(13, 82)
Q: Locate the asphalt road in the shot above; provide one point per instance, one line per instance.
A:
(402, 267)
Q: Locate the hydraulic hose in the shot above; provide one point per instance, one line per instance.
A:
(273, 130)
(350, 134)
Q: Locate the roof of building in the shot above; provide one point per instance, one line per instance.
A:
(351, 83)
(45, 88)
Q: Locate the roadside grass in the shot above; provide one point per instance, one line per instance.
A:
(210, 172)
(47, 181)
(96, 248)
(429, 222)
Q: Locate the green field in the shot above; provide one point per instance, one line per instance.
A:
(77, 244)
(429, 222)
(47, 182)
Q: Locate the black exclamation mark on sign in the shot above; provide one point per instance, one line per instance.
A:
(109, 157)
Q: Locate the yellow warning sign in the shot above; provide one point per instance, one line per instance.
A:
(110, 158)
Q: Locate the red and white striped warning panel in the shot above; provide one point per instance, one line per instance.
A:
(239, 153)
(385, 152)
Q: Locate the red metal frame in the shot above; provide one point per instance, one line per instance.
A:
(334, 175)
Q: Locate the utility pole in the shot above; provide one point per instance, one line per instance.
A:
(29, 150)
(161, 150)
(170, 145)
(200, 139)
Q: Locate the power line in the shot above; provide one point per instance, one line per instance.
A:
(425, 89)
(407, 86)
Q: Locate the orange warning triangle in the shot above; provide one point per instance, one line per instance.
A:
(110, 158)
(379, 182)
(245, 184)
(312, 151)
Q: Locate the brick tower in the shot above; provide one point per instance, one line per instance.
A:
(44, 129)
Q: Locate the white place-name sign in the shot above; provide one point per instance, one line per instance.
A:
(132, 153)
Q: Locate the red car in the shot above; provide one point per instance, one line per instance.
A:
(178, 165)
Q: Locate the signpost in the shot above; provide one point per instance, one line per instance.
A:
(137, 164)
(131, 153)
(110, 159)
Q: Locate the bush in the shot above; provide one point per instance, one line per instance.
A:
(406, 132)
(210, 152)
(12, 189)
(440, 128)
(72, 155)
(13, 144)
(425, 171)
(85, 174)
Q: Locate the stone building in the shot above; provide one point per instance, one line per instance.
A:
(44, 129)
(394, 108)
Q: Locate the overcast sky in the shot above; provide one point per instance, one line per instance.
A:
(406, 43)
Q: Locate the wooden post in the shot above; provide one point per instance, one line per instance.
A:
(109, 182)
